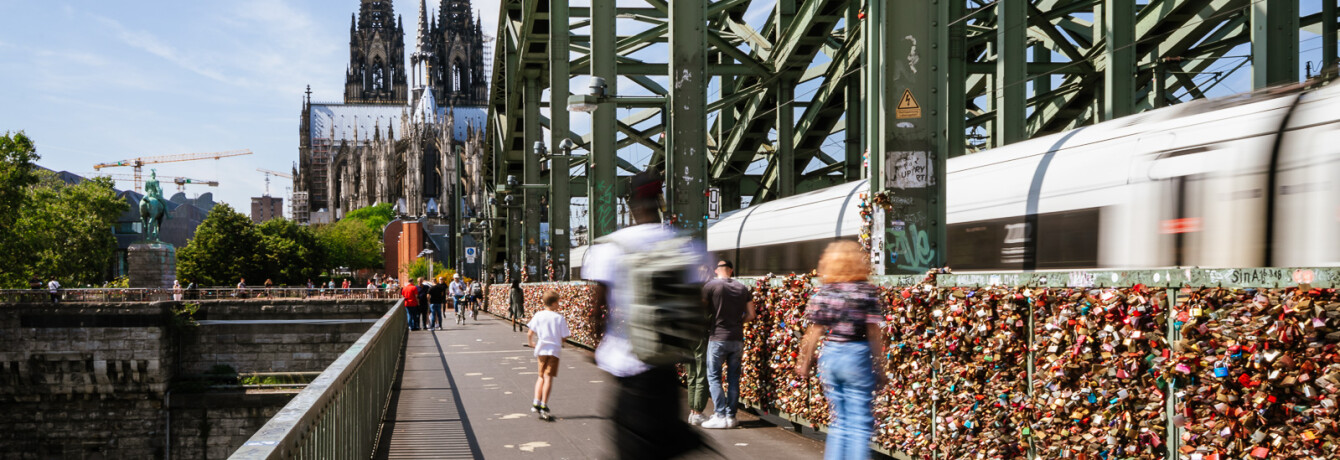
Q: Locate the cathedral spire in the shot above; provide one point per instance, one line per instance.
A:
(423, 23)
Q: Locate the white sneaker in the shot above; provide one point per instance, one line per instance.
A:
(697, 419)
(717, 423)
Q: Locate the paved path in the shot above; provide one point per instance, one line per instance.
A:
(465, 393)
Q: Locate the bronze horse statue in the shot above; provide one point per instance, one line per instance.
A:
(153, 208)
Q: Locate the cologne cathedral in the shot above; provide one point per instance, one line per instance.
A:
(401, 136)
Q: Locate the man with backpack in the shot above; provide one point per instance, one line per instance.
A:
(647, 300)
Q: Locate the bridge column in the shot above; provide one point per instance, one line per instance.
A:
(1274, 37)
(600, 195)
(903, 86)
(686, 152)
(559, 181)
(1119, 76)
(1011, 71)
(532, 261)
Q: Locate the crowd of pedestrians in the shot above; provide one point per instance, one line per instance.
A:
(426, 301)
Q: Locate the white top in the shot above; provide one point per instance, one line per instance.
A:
(457, 288)
(603, 265)
(53, 285)
(550, 329)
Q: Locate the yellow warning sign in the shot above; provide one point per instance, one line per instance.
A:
(907, 106)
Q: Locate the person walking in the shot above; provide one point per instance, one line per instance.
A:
(437, 297)
(517, 298)
(411, 295)
(269, 284)
(176, 291)
(732, 305)
(241, 288)
(457, 290)
(646, 413)
(547, 329)
(53, 287)
(423, 302)
(845, 312)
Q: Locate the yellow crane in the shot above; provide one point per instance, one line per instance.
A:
(181, 182)
(269, 173)
(138, 163)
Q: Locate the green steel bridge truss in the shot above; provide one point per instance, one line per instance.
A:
(746, 94)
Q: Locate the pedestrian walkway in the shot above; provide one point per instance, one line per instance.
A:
(466, 393)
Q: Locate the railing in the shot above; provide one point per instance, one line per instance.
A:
(1023, 364)
(209, 293)
(338, 415)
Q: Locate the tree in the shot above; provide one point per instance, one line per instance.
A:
(222, 250)
(289, 254)
(16, 174)
(356, 240)
(419, 269)
(63, 231)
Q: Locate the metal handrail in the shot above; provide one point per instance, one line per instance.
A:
(338, 415)
(205, 293)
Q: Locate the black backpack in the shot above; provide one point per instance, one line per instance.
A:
(667, 318)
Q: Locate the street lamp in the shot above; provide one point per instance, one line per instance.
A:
(590, 101)
(428, 252)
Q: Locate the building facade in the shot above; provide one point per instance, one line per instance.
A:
(400, 137)
(267, 207)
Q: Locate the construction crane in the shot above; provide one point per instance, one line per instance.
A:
(181, 182)
(138, 163)
(269, 173)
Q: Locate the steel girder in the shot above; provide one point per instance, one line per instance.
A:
(1090, 60)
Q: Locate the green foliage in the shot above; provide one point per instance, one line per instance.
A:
(419, 268)
(52, 229)
(290, 254)
(222, 251)
(356, 241)
(17, 156)
(375, 217)
(183, 317)
(227, 246)
(119, 282)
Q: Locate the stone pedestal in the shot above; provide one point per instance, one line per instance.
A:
(152, 265)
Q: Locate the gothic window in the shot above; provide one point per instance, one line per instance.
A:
(378, 75)
(376, 15)
(456, 77)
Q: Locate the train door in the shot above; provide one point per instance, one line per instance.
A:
(1307, 185)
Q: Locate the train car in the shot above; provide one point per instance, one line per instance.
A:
(1242, 181)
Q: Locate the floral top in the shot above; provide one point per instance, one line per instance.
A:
(844, 309)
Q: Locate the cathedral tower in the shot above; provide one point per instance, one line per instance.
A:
(376, 72)
(457, 75)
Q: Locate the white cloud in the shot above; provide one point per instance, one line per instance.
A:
(151, 44)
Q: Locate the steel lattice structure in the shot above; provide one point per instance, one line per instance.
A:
(785, 96)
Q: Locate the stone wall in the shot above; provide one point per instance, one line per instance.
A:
(88, 380)
(208, 426)
(268, 336)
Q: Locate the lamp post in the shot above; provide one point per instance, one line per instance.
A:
(559, 202)
(600, 177)
(428, 252)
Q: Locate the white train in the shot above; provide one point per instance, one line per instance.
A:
(1242, 181)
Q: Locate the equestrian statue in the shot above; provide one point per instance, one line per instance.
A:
(153, 208)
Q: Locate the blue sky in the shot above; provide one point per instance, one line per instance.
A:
(94, 81)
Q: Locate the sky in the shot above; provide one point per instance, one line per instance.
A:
(101, 81)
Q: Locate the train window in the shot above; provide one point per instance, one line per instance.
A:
(1067, 239)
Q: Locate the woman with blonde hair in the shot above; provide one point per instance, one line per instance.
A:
(847, 309)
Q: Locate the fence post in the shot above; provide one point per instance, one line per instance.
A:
(1032, 448)
(1170, 395)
